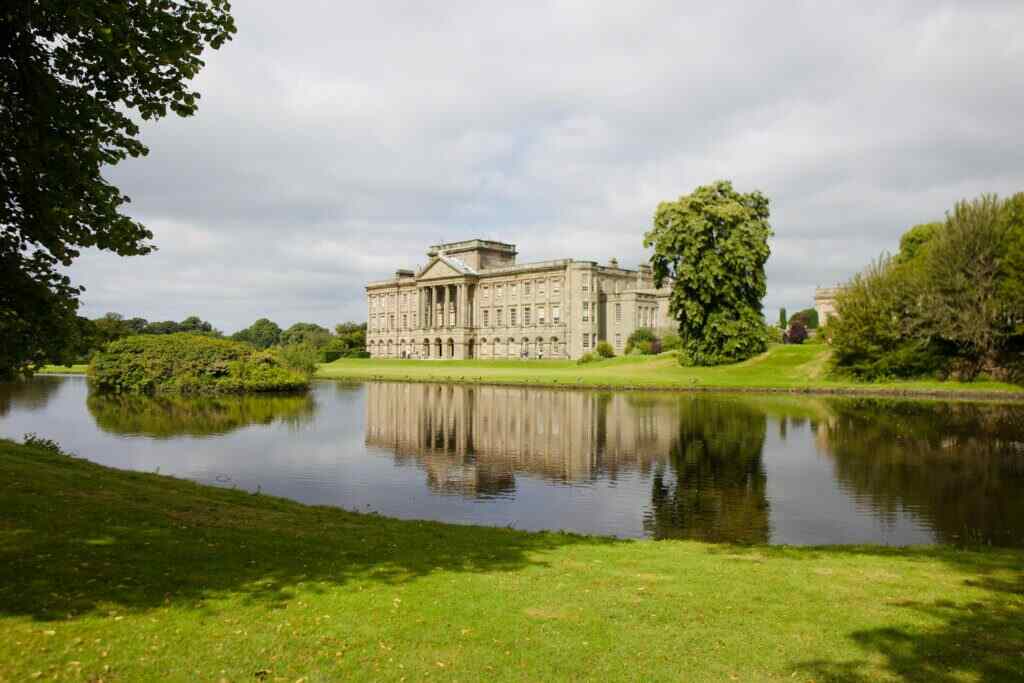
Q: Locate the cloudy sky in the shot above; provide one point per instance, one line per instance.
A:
(335, 141)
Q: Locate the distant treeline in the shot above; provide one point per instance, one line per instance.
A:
(347, 340)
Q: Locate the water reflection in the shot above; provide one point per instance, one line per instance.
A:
(33, 394)
(745, 468)
(957, 466)
(472, 441)
(715, 487)
(170, 416)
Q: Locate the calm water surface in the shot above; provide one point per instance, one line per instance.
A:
(712, 467)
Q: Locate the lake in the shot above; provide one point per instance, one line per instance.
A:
(731, 468)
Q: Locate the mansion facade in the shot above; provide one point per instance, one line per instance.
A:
(472, 300)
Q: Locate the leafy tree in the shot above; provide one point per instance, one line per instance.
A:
(713, 245)
(75, 77)
(876, 332)
(808, 317)
(913, 241)
(962, 270)
(262, 334)
(605, 350)
(306, 334)
(194, 325)
(352, 335)
(1011, 271)
(782, 318)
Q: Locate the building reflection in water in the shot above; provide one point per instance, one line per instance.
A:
(473, 440)
(702, 456)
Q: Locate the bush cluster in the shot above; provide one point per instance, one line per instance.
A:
(194, 364)
(951, 303)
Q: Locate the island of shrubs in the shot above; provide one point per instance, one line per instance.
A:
(196, 364)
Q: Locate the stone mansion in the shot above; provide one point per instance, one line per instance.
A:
(472, 300)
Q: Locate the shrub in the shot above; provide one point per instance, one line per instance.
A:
(641, 334)
(301, 358)
(588, 357)
(605, 350)
(196, 364)
(796, 334)
(36, 441)
(670, 341)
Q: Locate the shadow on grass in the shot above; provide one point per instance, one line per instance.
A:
(78, 538)
(972, 640)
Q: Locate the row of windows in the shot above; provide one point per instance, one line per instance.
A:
(527, 288)
(527, 316)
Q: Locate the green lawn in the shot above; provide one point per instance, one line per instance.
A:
(793, 367)
(113, 575)
(77, 369)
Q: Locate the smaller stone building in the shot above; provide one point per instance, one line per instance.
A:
(825, 303)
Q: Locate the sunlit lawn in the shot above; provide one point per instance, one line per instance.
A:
(793, 367)
(112, 575)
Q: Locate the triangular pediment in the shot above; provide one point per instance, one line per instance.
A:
(438, 269)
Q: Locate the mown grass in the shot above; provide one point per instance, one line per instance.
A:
(114, 575)
(76, 369)
(794, 368)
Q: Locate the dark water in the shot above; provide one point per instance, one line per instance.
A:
(720, 468)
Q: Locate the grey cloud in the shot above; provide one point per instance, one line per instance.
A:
(335, 141)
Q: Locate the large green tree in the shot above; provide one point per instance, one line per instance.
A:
(76, 77)
(713, 244)
(262, 334)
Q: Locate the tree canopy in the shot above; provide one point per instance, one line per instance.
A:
(75, 78)
(713, 245)
(951, 304)
(262, 334)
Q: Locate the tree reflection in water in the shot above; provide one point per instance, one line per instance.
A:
(959, 467)
(31, 394)
(713, 487)
(170, 416)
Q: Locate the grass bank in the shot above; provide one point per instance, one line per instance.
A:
(76, 369)
(781, 368)
(114, 575)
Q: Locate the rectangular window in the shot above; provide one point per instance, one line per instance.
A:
(512, 317)
(618, 341)
(541, 314)
(586, 283)
(556, 287)
(415, 320)
(487, 317)
(487, 293)
(586, 311)
(405, 321)
(391, 321)
(618, 313)
(526, 288)
(499, 291)
(540, 287)
(526, 316)
(512, 290)
(586, 340)
(556, 314)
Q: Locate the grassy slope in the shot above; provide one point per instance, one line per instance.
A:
(77, 369)
(782, 367)
(128, 576)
